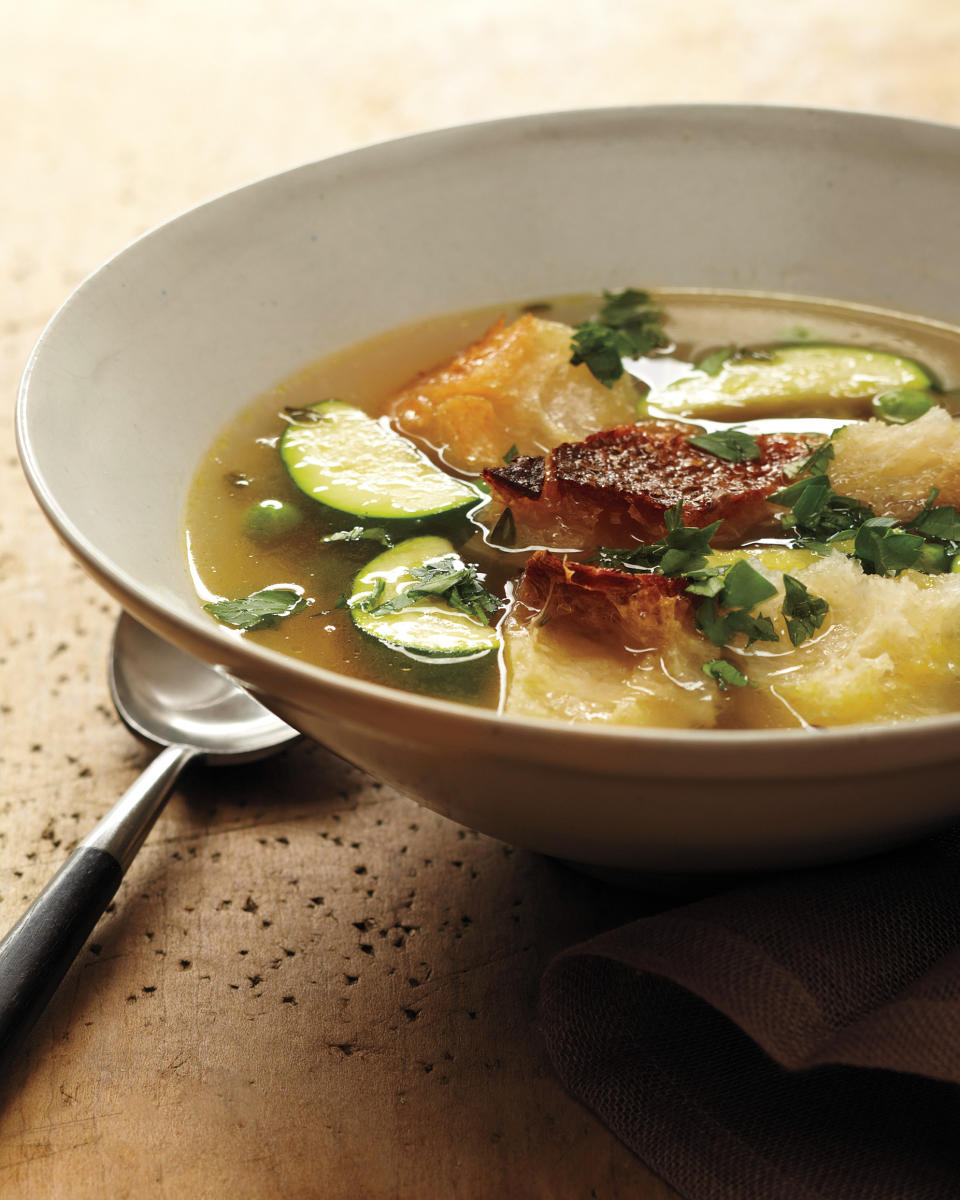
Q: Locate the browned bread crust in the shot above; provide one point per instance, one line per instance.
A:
(614, 487)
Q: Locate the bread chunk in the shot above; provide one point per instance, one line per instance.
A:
(586, 644)
(513, 388)
(614, 487)
(892, 468)
(887, 650)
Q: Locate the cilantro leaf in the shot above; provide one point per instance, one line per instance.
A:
(447, 577)
(942, 523)
(360, 533)
(627, 309)
(511, 454)
(369, 603)
(683, 551)
(712, 363)
(817, 512)
(733, 445)
(708, 582)
(745, 587)
(725, 674)
(260, 610)
(884, 549)
(627, 326)
(711, 624)
(601, 349)
(803, 612)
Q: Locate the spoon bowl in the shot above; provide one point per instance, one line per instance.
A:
(169, 699)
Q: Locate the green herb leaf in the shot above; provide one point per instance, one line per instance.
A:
(803, 612)
(942, 523)
(745, 587)
(601, 349)
(711, 624)
(884, 549)
(725, 674)
(819, 460)
(360, 533)
(708, 582)
(260, 610)
(511, 454)
(627, 326)
(448, 578)
(733, 445)
(626, 309)
(684, 550)
(754, 629)
(369, 603)
(712, 363)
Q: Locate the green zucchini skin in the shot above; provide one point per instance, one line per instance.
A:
(429, 629)
(814, 380)
(358, 467)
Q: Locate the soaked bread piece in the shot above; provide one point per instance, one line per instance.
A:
(887, 650)
(586, 644)
(614, 487)
(513, 388)
(892, 468)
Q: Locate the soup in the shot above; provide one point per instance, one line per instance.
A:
(700, 511)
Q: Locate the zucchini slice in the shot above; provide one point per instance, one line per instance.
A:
(430, 628)
(357, 465)
(819, 380)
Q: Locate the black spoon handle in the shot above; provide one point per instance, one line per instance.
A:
(38, 950)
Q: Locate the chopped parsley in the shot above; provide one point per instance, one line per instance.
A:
(725, 674)
(627, 326)
(360, 533)
(733, 445)
(683, 551)
(369, 603)
(816, 512)
(942, 523)
(803, 612)
(823, 521)
(260, 610)
(741, 588)
(883, 548)
(447, 578)
(727, 595)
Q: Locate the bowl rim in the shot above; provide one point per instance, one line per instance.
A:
(545, 732)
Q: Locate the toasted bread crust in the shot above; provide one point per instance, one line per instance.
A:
(615, 486)
(596, 602)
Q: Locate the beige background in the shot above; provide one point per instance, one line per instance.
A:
(309, 987)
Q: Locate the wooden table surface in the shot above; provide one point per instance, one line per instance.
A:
(307, 986)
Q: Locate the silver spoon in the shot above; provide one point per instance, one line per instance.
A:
(171, 700)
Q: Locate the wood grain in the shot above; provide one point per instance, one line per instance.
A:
(308, 987)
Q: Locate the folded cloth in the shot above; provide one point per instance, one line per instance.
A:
(794, 1039)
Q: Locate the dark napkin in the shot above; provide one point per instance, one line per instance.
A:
(798, 1037)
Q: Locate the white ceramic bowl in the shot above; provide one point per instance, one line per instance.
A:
(153, 354)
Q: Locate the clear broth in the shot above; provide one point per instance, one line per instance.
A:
(226, 562)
